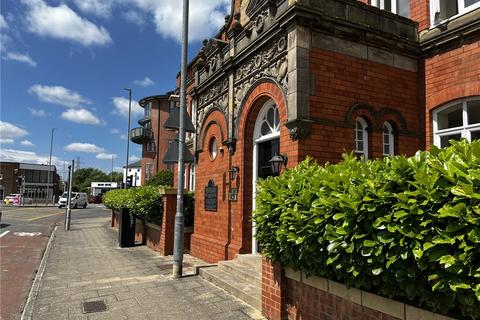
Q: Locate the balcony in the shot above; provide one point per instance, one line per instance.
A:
(140, 135)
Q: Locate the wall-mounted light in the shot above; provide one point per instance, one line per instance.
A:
(233, 172)
(277, 161)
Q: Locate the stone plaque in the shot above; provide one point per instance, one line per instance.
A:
(211, 196)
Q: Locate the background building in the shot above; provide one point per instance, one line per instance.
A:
(33, 176)
(135, 172)
(97, 188)
(151, 134)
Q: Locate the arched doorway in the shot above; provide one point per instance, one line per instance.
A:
(266, 144)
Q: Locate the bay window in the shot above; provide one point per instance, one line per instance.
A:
(457, 120)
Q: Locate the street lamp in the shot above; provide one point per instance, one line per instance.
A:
(49, 167)
(128, 132)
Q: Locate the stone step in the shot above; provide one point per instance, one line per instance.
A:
(242, 271)
(251, 260)
(244, 290)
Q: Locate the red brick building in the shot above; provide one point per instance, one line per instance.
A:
(151, 134)
(319, 78)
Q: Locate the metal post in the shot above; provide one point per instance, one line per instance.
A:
(128, 132)
(69, 198)
(179, 218)
(49, 166)
(111, 173)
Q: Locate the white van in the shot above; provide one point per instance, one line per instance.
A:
(79, 199)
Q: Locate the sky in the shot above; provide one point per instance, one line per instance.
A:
(65, 64)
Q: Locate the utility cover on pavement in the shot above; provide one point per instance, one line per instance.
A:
(94, 306)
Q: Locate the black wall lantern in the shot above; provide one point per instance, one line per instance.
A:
(233, 172)
(277, 161)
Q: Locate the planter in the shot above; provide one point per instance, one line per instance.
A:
(152, 238)
(140, 232)
(290, 294)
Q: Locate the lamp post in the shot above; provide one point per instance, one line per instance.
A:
(128, 132)
(49, 166)
(179, 217)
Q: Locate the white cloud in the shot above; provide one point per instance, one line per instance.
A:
(106, 156)
(102, 8)
(145, 82)
(121, 107)
(123, 136)
(27, 143)
(206, 17)
(38, 113)
(6, 141)
(20, 57)
(133, 158)
(9, 131)
(134, 17)
(83, 147)
(114, 131)
(81, 116)
(3, 23)
(63, 23)
(59, 95)
(13, 155)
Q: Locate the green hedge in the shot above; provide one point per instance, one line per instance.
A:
(406, 228)
(162, 178)
(145, 202)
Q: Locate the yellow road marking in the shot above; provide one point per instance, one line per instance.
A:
(48, 215)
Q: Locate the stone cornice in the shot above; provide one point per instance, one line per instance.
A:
(453, 33)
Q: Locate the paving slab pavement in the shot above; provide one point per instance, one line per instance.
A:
(85, 264)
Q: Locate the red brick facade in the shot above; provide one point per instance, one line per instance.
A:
(449, 76)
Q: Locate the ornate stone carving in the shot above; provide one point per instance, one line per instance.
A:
(299, 129)
(268, 63)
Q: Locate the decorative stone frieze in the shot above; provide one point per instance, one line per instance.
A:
(268, 63)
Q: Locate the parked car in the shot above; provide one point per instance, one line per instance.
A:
(95, 199)
(79, 199)
(17, 199)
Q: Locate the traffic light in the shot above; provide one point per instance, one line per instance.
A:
(19, 181)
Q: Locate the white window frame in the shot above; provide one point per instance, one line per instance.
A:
(258, 138)
(393, 4)
(435, 7)
(363, 127)
(391, 139)
(465, 130)
(192, 178)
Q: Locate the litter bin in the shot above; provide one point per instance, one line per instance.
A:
(126, 230)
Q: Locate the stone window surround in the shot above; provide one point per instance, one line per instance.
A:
(435, 6)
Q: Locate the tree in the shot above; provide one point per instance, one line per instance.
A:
(162, 178)
(82, 178)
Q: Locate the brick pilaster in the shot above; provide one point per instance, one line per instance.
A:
(168, 224)
(273, 291)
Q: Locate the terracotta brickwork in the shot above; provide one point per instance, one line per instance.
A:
(419, 12)
(451, 75)
(273, 291)
(347, 87)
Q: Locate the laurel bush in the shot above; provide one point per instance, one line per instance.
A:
(403, 227)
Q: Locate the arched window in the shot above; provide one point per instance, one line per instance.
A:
(268, 122)
(457, 120)
(388, 139)
(361, 138)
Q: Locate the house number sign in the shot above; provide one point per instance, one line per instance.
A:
(211, 196)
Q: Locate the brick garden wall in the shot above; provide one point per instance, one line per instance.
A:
(449, 76)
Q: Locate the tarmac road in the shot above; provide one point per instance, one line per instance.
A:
(24, 234)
